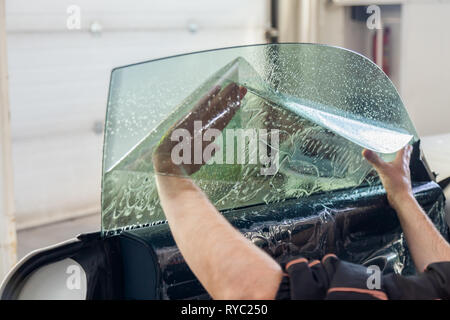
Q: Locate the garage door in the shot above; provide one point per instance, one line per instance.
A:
(59, 82)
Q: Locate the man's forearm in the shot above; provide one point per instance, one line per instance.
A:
(226, 263)
(424, 241)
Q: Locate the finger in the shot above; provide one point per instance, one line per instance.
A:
(228, 98)
(242, 92)
(210, 95)
(410, 150)
(223, 107)
(373, 158)
(404, 155)
(203, 104)
(409, 153)
(400, 155)
(232, 105)
(214, 110)
(229, 94)
(195, 114)
(220, 121)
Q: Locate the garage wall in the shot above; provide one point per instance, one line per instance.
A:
(59, 82)
(420, 51)
(425, 64)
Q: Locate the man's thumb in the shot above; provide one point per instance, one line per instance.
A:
(372, 157)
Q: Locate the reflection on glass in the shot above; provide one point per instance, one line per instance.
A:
(325, 104)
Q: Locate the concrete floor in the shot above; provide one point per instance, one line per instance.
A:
(39, 237)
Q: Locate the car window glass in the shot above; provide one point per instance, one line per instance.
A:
(314, 107)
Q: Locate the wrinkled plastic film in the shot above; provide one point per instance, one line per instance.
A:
(358, 227)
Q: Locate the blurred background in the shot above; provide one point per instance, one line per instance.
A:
(57, 55)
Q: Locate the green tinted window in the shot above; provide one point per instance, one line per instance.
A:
(324, 103)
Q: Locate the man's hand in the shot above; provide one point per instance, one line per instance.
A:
(394, 175)
(425, 242)
(215, 110)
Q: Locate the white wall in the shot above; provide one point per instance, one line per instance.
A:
(336, 27)
(425, 64)
(420, 51)
(59, 82)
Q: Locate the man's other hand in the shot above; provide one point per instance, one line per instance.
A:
(215, 110)
(394, 175)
